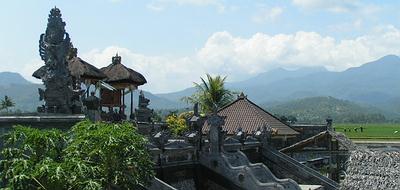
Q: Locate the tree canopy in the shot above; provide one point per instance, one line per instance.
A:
(210, 93)
(89, 156)
(6, 103)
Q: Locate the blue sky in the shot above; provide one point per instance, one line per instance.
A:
(174, 42)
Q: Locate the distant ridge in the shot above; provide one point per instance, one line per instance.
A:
(9, 78)
(373, 84)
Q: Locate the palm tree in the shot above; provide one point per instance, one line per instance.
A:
(211, 93)
(6, 103)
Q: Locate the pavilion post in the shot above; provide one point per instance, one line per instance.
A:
(123, 101)
(131, 116)
(87, 90)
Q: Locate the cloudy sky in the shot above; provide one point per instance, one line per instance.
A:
(174, 42)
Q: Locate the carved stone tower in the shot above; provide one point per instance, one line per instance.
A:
(54, 46)
(143, 114)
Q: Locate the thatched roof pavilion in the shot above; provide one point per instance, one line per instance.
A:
(78, 68)
(82, 69)
(120, 76)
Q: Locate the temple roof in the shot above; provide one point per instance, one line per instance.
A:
(116, 73)
(40, 72)
(82, 69)
(244, 114)
(77, 67)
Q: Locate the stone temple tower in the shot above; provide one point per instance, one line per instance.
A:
(54, 46)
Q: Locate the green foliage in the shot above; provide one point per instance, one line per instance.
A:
(186, 115)
(177, 124)
(210, 93)
(6, 103)
(157, 116)
(89, 156)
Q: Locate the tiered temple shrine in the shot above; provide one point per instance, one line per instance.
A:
(64, 73)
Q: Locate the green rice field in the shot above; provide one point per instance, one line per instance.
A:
(381, 131)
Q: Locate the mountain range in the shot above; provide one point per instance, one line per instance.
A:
(373, 85)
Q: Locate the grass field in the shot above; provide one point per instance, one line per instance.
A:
(384, 131)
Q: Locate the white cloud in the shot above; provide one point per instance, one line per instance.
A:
(240, 58)
(331, 5)
(337, 6)
(31, 67)
(162, 73)
(159, 5)
(267, 14)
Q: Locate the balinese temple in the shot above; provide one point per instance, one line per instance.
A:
(244, 116)
(124, 80)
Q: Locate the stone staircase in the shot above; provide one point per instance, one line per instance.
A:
(236, 168)
(283, 162)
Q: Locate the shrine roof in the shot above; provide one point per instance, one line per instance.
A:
(244, 114)
(116, 72)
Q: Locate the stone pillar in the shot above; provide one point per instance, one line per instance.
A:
(215, 121)
(92, 104)
(329, 122)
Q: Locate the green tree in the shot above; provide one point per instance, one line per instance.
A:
(6, 103)
(89, 156)
(211, 93)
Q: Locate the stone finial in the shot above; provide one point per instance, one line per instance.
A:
(196, 109)
(73, 52)
(143, 113)
(242, 96)
(116, 59)
(329, 122)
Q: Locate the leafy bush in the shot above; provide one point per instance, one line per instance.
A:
(176, 124)
(89, 156)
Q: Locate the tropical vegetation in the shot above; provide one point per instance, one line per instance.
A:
(6, 103)
(89, 156)
(177, 124)
(211, 93)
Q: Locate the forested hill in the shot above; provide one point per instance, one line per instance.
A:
(317, 109)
